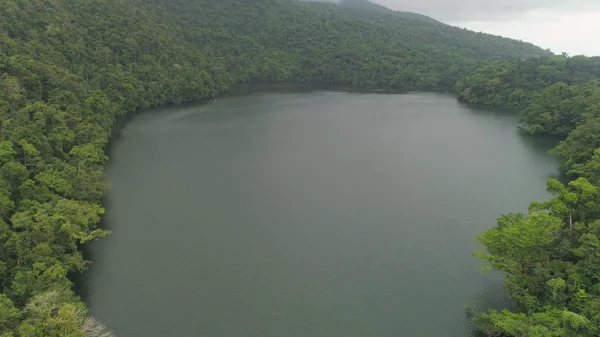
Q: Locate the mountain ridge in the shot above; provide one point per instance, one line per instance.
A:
(374, 7)
(368, 6)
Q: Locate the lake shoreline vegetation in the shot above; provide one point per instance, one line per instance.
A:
(548, 256)
(70, 68)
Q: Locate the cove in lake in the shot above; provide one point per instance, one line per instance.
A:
(308, 213)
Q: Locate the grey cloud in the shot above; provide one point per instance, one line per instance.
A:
(484, 10)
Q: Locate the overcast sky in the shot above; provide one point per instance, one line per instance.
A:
(570, 26)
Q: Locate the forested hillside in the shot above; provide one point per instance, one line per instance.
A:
(327, 43)
(516, 82)
(550, 256)
(69, 68)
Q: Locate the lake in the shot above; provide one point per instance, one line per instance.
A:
(287, 212)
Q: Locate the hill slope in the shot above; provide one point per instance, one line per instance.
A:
(68, 68)
(365, 5)
(311, 41)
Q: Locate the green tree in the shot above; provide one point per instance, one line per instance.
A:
(589, 170)
(9, 314)
(576, 202)
(7, 152)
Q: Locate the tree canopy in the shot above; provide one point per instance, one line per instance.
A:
(548, 256)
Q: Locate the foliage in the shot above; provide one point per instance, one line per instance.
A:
(517, 82)
(546, 261)
(549, 256)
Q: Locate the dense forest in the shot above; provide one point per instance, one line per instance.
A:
(69, 68)
(517, 82)
(550, 256)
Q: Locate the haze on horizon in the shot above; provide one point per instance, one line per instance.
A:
(558, 25)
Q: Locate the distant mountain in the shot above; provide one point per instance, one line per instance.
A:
(421, 28)
(364, 5)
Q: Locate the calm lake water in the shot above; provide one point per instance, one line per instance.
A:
(308, 214)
